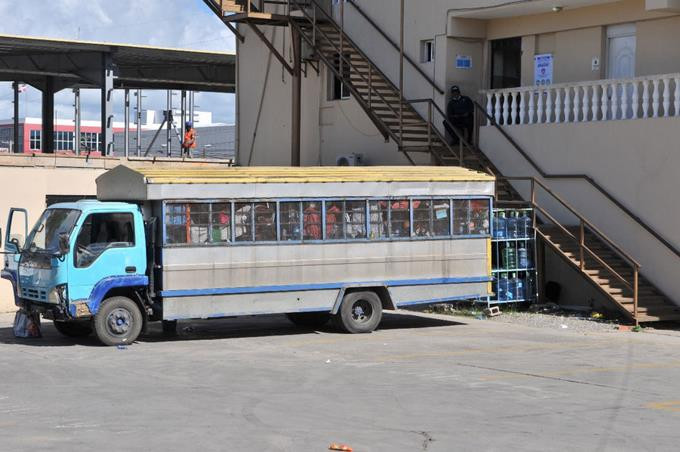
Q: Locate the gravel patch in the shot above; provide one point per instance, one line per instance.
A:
(559, 321)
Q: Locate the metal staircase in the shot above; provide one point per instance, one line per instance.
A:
(416, 127)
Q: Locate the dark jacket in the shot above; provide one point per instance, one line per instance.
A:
(460, 110)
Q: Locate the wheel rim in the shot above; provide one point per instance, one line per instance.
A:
(362, 311)
(119, 322)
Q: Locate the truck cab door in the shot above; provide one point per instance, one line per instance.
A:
(15, 238)
(107, 250)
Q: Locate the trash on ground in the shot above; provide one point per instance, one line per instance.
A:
(26, 324)
(343, 447)
(563, 326)
(121, 347)
(625, 328)
(492, 311)
(596, 315)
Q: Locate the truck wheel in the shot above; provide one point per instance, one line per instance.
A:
(73, 329)
(360, 312)
(312, 320)
(119, 321)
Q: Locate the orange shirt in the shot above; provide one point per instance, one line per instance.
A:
(190, 135)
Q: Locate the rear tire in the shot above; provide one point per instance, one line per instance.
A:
(360, 312)
(118, 322)
(73, 329)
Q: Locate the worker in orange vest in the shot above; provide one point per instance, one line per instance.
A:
(189, 142)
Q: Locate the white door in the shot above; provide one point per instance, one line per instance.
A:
(621, 44)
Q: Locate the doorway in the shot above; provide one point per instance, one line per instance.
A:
(621, 46)
(506, 63)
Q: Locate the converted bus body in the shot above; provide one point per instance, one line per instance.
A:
(313, 243)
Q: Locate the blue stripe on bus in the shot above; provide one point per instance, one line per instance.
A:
(441, 300)
(324, 286)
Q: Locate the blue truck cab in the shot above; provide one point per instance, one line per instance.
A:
(85, 266)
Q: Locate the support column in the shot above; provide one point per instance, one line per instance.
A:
(47, 134)
(139, 123)
(183, 111)
(126, 135)
(106, 106)
(76, 119)
(296, 98)
(191, 106)
(168, 123)
(16, 147)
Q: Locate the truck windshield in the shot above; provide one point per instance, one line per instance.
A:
(45, 234)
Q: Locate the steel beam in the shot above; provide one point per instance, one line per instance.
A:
(106, 105)
(139, 123)
(296, 97)
(47, 135)
(15, 139)
(126, 134)
(76, 119)
(168, 121)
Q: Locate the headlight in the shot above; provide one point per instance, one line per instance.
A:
(57, 295)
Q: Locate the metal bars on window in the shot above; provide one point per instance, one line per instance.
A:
(325, 220)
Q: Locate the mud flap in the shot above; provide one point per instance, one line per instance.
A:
(26, 324)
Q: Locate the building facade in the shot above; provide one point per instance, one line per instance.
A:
(582, 94)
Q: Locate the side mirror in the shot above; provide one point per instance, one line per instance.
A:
(17, 230)
(64, 247)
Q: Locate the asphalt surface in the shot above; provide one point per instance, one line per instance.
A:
(422, 382)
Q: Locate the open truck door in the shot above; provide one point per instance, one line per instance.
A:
(15, 238)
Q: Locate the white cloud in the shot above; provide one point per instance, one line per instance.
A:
(168, 23)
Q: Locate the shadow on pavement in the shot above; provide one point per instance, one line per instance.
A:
(229, 328)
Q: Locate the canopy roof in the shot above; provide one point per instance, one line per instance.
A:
(78, 64)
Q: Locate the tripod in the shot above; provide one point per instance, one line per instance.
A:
(168, 119)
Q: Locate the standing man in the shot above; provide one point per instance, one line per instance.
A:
(460, 113)
(189, 142)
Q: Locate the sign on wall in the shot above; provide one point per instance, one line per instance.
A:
(463, 62)
(543, 69)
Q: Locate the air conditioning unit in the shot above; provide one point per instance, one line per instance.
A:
(349, 160)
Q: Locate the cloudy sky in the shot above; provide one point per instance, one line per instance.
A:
(187, 24)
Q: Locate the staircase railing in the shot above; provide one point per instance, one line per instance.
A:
(492, 122)
(580, 238)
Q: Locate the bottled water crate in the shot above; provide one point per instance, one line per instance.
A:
(513, 249)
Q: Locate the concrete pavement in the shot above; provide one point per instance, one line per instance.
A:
(422, 382)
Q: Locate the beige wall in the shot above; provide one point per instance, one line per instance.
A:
(621, 156)
(658, 51)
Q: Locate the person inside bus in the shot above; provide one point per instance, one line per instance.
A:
(265, 226)
(333, 220)
(312, 222)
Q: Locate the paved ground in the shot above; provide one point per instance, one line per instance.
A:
(423, 382)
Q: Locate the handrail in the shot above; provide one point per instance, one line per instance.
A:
(581, 239)
(341, 54)
(585, 177)
(363, 14)
(381, 126)
(571, 209)
(461, 138)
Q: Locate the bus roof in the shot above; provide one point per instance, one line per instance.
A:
(125, 183)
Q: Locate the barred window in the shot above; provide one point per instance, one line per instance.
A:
(220, 222)
(265, 221)
(289, 221)
(400, 219)
(378, 219)
(243, 222)
(355, 220)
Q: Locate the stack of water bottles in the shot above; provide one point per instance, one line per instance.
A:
(513, 255)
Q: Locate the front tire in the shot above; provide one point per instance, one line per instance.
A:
(360, 312)
(73, 329)
(118, 322)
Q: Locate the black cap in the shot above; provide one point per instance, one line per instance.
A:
(455, 89)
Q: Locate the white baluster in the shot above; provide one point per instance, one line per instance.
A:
(676, 104)
(594, 103)
(655, 98)
(584, 108)
(577, 103)
(666, 96)
(548, 106)
(603, 101)
(506, 108)
(558, 105)
(635, 102)
(540, 108)
(567, 104)
(522, 109)
(615, 101)
(624, 100)
(489, 108)
(532, 108)
(513, 106)
(497, 107)
(645, 99)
